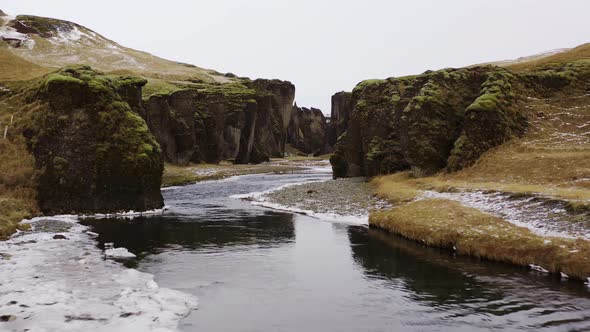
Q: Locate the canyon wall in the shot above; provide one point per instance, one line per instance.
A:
(246, 121)
(427, 122)
(439, 120)
(308, 131)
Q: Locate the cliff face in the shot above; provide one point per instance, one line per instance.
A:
(245, 121)
(308, 131)
(339, 116)
(427, 122)
(441, 120)
(93, 152)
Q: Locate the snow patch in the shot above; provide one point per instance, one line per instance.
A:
(538, 268)
(525, 212)
(121, 253)
(51, 285)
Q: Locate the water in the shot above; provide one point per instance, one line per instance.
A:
(255, 269)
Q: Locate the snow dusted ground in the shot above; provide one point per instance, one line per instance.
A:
(56, 279)
(538, 216)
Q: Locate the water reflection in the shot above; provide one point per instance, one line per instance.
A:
(146, 236)
(482, 293)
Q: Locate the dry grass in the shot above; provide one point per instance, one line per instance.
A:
(448, 224)
(396, 188)
(13, 67)
(180, 175)
(17, 192)
(577, 53)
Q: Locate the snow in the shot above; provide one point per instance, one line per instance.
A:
(9, 33)
(525, 212)
(67, 285)
(538, 268)
(112, 252)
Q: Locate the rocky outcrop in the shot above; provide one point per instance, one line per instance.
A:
(93, 152)
(437, 120)
(339, 116)
(308, 131)
(246, 122)
(443, 120)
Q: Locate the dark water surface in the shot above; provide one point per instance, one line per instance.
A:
(255, 269)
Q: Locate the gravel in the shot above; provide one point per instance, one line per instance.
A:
(351, 196)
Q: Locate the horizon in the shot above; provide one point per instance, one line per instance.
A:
(313, 54)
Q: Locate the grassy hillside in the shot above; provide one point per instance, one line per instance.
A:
(13, 67)
(54, 43)
(580, 53)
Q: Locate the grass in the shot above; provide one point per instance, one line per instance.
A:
(180, 175)
(575, 54)
(13, 67)
(17, 191)
(396, 188)
(158, 87)
(448, 224)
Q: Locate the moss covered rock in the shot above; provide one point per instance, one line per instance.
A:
(241, 121)
(92, 151)
(443, 119)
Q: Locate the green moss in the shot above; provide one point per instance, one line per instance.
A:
(93, 152)
(60, 79)
(156, 87)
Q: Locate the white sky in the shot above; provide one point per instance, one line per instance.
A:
(325, 46)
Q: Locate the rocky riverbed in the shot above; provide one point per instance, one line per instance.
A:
(347, 200)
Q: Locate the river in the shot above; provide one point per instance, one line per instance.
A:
(255, 269)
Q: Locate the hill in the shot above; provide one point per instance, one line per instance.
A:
(53, 43)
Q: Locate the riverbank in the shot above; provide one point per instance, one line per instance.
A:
(526, 230)
(180, 175)
(59, 280)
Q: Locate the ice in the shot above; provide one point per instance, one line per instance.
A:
(67, 285)
(538, 268)
(123, 253)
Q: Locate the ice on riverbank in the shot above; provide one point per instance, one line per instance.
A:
(121, 253)
(66, 285)
(537, 215)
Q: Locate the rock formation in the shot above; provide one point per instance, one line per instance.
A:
(93, 152)
(339, 116)
(308, 131)
(427, 122)
(246, 121)
(439, 120)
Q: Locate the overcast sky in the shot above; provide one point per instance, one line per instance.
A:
(325, 46)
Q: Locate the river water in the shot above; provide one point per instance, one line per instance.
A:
(255, 269)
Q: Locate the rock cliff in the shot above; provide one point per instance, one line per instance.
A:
(339, 116)
(246, 121)
(93, 151)
(308, 131)
(438, 120)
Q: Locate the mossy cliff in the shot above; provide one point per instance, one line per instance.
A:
(245, 121)
(93, 151)
(339, 115)
(308, 131)
(442, 119)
